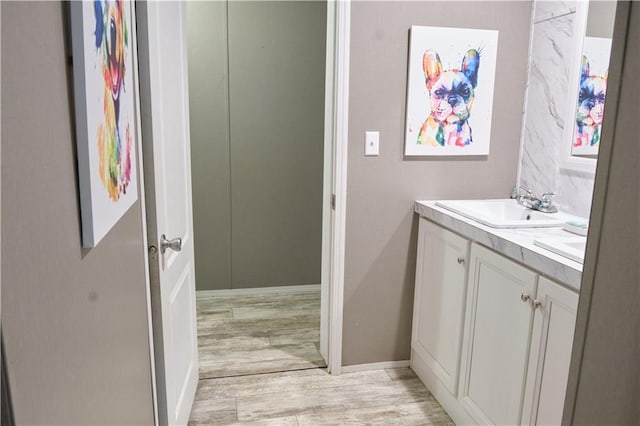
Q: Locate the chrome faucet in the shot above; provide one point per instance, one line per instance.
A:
(543, 204)
(546, 203)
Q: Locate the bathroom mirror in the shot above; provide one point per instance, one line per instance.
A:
(594, 29)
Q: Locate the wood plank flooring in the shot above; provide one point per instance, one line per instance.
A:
(259, 364)
(314, 397)
(241, 335)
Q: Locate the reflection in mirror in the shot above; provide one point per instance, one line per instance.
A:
(592, 81)
(548, 128)
(591, 95)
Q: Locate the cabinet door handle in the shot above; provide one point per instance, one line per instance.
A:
(461, 260)
(525, 297)
(536, 304)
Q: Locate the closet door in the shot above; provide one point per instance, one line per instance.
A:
(276, 92)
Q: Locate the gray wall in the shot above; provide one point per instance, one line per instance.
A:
(601, 18)
(209, 126)
(605, 374)
(269, 160)
(381, 228)
(75, 321)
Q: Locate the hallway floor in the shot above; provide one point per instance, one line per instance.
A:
(242, 335)
(314, 397)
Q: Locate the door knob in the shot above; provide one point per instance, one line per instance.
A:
(174, 244)
(461, 260)
(525, 297)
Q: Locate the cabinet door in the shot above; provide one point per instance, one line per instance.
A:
(551, 342)
(497, 335)
(438, 314)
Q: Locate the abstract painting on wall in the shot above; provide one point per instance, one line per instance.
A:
(592, 93)
(105, 120)
(450, 91)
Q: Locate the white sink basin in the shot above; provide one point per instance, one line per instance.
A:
(570, 247)
(502, 213)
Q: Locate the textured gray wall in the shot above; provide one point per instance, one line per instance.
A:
(74, 320)
(381, 227)
(268, 162)
(209, 120)
(605, 377)
(600, 18)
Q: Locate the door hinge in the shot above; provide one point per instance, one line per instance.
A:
(333, 201)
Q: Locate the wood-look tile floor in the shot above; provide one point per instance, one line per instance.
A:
(314, 397)
(241, 335)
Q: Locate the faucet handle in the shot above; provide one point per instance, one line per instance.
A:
(546, 202)
(528, 192)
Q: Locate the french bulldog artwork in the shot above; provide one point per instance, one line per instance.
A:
(103, 40)
(450, 91)
(113, 136)
(591, 96)
(451, 96)
(590, 112)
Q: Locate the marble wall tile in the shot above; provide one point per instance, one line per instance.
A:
(545, 10)
(575, 192)
(547, 111)
(546, 107)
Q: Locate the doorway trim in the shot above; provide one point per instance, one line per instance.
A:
(143, 207)
(340, 135)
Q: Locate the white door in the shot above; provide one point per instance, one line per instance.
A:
(496, 341)
(551, 344)
(441, 283)
(167, 169)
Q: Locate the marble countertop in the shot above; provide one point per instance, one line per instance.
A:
(516, 244)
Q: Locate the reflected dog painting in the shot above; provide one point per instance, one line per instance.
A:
(103, 84)
(591, 96)
(450, 91)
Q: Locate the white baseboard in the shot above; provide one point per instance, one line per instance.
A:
(288, 289)
(374, 366)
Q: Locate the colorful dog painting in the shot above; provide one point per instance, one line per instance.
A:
(113, 134)
(102, 38)
(451, 94)
(590, 111)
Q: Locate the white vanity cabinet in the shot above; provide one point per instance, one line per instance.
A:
(438, 314)
(497, 336)
(491, 338)
(551, 344)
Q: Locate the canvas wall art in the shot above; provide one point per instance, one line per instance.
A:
(450, 91)
(106, 130)
(592, 93)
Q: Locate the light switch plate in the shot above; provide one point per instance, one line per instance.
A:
(371, 144)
